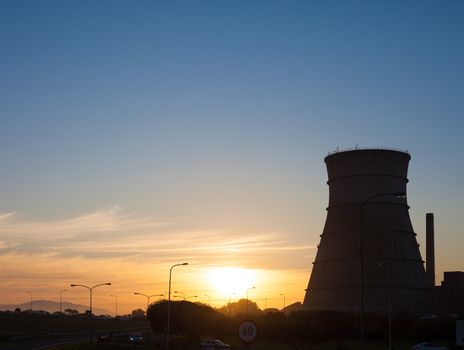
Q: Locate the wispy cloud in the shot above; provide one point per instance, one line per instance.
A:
(6, 216)
(135, 252)
(112, 233)
(111, 220)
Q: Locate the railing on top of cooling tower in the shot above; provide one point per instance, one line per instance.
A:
(357, 148)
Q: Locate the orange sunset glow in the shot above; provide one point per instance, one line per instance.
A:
(217, 175)
(113, 246)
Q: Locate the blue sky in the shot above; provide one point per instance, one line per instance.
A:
(216, 115)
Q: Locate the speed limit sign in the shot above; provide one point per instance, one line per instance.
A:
(247, 331)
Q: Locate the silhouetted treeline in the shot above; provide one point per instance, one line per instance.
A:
(194, 321)
(27, 323)
(242, 306)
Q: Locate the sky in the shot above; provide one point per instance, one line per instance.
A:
(140, 134)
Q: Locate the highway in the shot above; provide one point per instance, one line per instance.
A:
(41, 343)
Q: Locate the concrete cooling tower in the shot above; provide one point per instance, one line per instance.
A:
(368, 249)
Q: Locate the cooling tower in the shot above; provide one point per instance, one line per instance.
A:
(387, 269)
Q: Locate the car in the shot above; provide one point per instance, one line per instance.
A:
(214, 344)
(104, 338)
(428, 346)
(428, 317)
(135, 338)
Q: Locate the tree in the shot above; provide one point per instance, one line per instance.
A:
(71, 312)
(240, 307)
(138, 314)
(192, 320)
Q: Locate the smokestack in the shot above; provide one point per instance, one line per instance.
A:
(430, 249)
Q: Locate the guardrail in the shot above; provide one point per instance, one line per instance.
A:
(75, 334)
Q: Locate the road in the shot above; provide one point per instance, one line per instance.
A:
(41, 343)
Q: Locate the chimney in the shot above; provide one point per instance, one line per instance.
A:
(430, 249)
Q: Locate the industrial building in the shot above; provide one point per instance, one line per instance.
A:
(449, 296)
(368, 256)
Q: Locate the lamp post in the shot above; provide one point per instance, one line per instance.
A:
(247, 298)
(230, 297)
(363, 205)
(61, 299)
(284, 299)
(209, 299)
(28, 291)
(230, 303)
(169, 304)
(116, 304)
(149, 297)
(389, 306)
(389, 301)
(390, 256)
(90, 302)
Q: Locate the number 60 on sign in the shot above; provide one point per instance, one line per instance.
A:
(247, 331)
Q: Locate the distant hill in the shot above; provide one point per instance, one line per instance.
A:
(51, 306)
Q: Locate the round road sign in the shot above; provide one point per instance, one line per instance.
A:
(247, 331)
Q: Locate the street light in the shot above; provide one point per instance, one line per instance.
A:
(191, 296)
(116, 305)
(284, 300)
(247, 298)
(61, 292)
(209, 299)
(230, 303)
(169, 304)
(90, 303)
(149, 297)
(380, 264)
(363, 204)
(28, 291)
(230, 296)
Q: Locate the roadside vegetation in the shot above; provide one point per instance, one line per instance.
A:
(192, 322)
(299, 330)
(15, 325)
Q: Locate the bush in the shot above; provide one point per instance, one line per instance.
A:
(193, 320)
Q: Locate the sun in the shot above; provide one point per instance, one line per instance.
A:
(229, 281)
